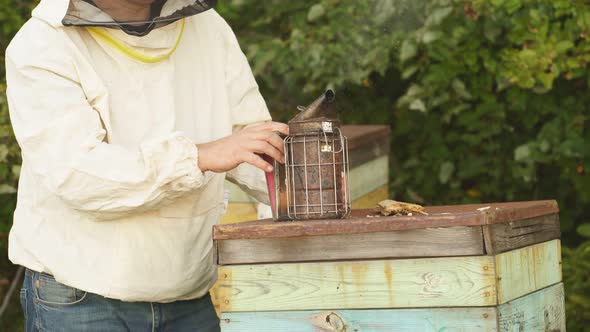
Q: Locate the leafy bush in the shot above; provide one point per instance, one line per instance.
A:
(12, 17)
(487, 99)
(576, 269)
(299, 48)
(499, 94)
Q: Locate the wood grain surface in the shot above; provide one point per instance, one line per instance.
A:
(399, 320)
(357, 223)
(517, 234)
(543, 310)
(360, 135)
(523, 271)
(427, 242)
(503, 212)
(467, 215)
(403, 283)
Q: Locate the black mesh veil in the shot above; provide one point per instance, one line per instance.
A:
(86, 13)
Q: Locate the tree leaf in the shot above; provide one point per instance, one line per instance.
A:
(438, 15)
(3, 152)
(409, 50)
(430, 36)
(584, 230)
(6, 189)
(445, 172)
(460, 89)
(315, 12)
(522, 153)
(564, 46)
(418, 105)
(408, 72)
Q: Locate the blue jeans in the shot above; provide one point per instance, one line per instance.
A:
(54, 307)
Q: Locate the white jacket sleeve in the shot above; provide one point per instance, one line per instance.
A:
(64, 144)
(248, 108)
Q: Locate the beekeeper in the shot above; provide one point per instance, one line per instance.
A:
(129, 113)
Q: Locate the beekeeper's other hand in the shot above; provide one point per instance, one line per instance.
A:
(244, 146)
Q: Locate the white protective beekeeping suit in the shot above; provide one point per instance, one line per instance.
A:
(111, 199)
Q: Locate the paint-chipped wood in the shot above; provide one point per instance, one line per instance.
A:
(543, 310)
(387, 320)
(504, 212)
(523, 271)
(403, 283)
(447, 216)
(517, 234)
(358, 223)
(428, 242)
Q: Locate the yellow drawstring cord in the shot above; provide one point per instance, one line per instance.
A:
(102, 35)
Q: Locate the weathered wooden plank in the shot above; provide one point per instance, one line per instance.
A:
(404, 283)
(471, 215)
(543, 310)
(359, 135)
(503, 212)
(426, 242)
(521, 233)
(540, 311)
(357, 223)
(368, 151)
(523, 271)
(411, 320)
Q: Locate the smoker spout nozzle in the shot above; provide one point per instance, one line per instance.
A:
(319, 108)
(330, 95)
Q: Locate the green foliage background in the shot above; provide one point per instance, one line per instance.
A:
(488, 100)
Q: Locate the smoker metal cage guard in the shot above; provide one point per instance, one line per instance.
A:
(317, 171)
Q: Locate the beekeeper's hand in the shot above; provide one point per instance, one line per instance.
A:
(244, 146)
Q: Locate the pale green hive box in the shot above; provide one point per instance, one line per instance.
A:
(494, 267)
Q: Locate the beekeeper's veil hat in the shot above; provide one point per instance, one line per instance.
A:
(86, 13)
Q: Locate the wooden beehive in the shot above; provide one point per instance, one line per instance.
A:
(491, 267)
(369, 173)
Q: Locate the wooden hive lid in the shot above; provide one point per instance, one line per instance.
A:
(439, 216)
(359, 135)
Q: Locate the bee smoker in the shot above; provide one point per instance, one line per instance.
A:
(313, 182)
